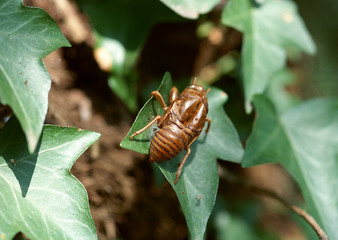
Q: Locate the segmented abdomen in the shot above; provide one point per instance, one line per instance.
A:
(168, 142)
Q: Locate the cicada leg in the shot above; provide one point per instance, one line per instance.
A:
(194, 81)
(159, 98)
(158, 117)
(179, 169)
(209, 122)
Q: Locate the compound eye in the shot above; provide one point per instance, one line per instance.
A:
(196, 87)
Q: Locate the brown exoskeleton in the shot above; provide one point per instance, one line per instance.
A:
(180, 125)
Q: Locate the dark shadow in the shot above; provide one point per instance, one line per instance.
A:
(198, 201)
(255, 3)
(17, 156)
(20, 236)
(140, 140)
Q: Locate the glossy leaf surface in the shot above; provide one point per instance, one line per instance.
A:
(26, 36)
(38, 194)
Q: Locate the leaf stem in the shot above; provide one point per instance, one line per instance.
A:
(226, 175)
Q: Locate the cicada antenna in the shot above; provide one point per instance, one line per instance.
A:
(194, 80)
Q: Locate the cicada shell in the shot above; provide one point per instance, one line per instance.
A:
(180, 125)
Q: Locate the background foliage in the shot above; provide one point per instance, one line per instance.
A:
(274, 64)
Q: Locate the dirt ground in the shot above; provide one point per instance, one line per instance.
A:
(124, 199)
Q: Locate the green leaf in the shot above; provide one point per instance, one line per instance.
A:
(304, 140)
(197, 186)
(121, 28)
(151, 109)
(26, 36)
(191, 8)
(268, 30)
(38, 194)
(277, 91)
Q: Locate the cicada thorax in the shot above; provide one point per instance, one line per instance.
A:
(192, 108)
(183, 121)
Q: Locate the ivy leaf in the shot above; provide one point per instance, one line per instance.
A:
(26, 35)
(151, 109)
(190, 8)
(39, 196)
(197, 186)
(277, 91)
(304, 140)
(269, 30)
